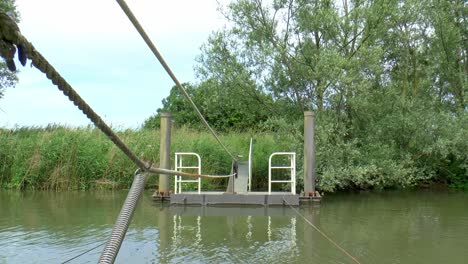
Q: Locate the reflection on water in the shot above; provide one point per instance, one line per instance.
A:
(237, 235)
(393, 227)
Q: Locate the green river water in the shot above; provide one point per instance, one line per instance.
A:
(389, 227)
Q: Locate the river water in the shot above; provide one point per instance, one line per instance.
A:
(389, 227)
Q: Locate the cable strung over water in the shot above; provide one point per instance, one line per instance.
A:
(84, 252)
(353, 258)
(166, 67)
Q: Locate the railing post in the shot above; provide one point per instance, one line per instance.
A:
(231, 182)
(309, 154)
(179, 166)
(165, 153)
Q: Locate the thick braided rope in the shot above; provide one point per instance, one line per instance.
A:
(41, 63)
(9, 31)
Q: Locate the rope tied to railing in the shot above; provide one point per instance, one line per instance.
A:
(10, 36)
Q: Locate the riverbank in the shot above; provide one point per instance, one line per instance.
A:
(61, 158)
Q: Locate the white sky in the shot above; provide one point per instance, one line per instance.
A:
(97, 50)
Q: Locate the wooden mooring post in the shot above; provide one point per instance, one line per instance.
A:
(164, 156)
(309, 154)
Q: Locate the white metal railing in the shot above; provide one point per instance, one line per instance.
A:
(249, 184)
(179, 166)
(291, 167)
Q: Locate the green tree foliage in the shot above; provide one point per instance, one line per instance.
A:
(386, 78)
(227, 96)
(450, 51)
(7, 78)
(176, 104)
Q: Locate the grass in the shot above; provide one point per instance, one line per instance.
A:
(61, 158)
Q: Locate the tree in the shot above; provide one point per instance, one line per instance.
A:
(227, 94)
(228, 91)
(7, 78)
(386, 78)
(382, 76)
(176, 104)
(450, 50)
(224, 104)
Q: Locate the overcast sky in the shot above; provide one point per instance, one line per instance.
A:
(95, 47)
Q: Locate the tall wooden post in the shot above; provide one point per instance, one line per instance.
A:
(165, 153)
(309, 154)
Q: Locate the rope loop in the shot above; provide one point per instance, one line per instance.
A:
(10, 41)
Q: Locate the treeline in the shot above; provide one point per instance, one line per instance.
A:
(344, 58)
(387, 80)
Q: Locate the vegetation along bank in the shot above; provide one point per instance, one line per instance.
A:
(60, 158)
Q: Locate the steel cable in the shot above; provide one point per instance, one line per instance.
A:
(84, 252)
(166, 67)
(353, 258)
(123, 220)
